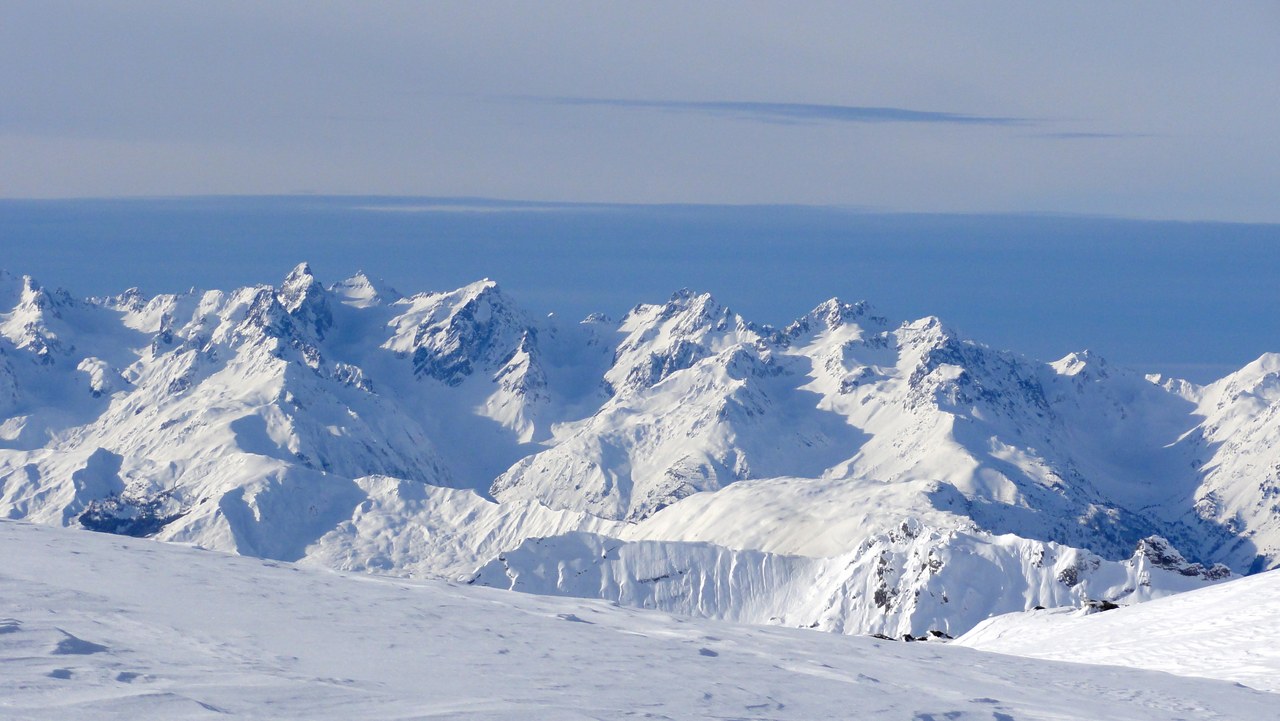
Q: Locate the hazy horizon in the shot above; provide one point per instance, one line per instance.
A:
(1171, 297)
(1138, 109)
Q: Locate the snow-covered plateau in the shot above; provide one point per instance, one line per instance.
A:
(847, 472)
(94, 626)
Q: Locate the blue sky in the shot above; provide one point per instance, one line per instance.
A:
(1146, 109)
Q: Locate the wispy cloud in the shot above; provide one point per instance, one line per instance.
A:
(787, 113)
(1090, 136)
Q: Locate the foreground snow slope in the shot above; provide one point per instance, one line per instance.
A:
(100, 627)
(1228, 631)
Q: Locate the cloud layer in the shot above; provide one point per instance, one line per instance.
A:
(790, 112)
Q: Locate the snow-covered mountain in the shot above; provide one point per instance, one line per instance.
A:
(846, 472)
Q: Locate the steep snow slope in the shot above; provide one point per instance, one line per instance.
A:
(1228, 632)
(1238, 454)
(913, 580)
(93, 626)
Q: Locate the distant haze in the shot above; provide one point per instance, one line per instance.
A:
(1189, 299)
(1138, 109)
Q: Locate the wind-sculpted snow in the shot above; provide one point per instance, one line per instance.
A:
(349, 425)
(912, 581)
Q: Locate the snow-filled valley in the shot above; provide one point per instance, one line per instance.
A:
(847, 473)
(100, 627)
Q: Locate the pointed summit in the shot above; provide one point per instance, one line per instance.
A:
(306, 299)
(299, 270)
(297, 285)
(452, 334)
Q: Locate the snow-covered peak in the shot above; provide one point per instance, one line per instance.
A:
(1259, 379)
(662, 339)
(299, 287)
(689, 298)
(929, 349)
(477, 289)
(1241, 395)
(305, 298)
(687, 312)
(23, 292)
(1265, 364)
(1085, 363)
(32, 319)
(300, 271)
(450, 335)
(834, 313)
(361, 291)
(1238, 447)
(36, 297)
(130, 301)
(926, 331)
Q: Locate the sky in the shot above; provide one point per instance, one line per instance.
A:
(1157, 110)
(1045, 176)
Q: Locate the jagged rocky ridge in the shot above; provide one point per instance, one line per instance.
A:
(439, 433)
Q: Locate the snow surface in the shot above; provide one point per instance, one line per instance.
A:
(1228, 631)
(105, 627)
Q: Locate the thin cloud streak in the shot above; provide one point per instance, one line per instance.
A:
(788, 113)
(1091, 136)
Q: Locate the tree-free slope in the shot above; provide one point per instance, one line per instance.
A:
(95, 626)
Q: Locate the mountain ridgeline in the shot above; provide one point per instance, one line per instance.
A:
(682, 457)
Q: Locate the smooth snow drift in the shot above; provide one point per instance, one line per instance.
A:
(1229, 631)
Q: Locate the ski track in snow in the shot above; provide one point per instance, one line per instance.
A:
(100, 627)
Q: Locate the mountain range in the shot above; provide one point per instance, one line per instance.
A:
(847, 472)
